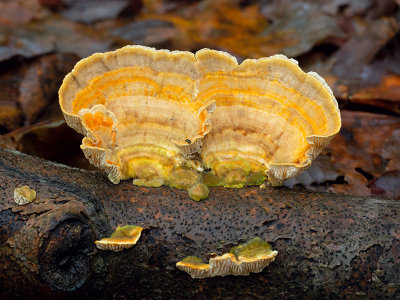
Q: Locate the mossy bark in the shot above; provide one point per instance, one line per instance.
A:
(329, 245)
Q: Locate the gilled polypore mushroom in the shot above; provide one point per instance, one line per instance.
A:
(250, 257)
(146, 114)
(122, 238)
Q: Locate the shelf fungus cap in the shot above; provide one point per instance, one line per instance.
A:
(137, 108)
(194, 266)
(145, 113)
(122, 238)
(250, 257)
(24, 195)
(272, 119)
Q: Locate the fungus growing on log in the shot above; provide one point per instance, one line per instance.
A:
(137, 108)
(271, 121)
(250, 257)
(146, 112)
(24, 195)
(198, 192)
(122, 238)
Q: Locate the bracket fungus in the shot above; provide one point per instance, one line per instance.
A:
(24, 195)
(146, 114)
(138, 110)
(122, 238)
(271, 121)
(250, 257)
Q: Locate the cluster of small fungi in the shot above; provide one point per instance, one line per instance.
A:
(195, 120)
(250, 257)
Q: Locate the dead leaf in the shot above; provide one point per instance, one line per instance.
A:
(387, 185)
(348, 7)
(386, 94)
(306, 25)
(10, 115)
(26, 90)
(359, 51)
(356, 184)
(391, 151)
(54, 35)
(224, 25)
(148, 32)
(40, 83)
(14, 12)
(51, 140)
(321, 171)
(90, 11)
(362, 149)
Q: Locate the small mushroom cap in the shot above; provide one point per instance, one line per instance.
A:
(250, 261)
(24, 195)
(184, 177)
(252, 249)
(194, 266)
(122, 238)
(250, 257)
(253, 255)
(198, 192)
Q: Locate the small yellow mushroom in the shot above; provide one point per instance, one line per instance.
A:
(24, 195)
(198, 192)
(184, 178)
(194, 266)
(250, 257)
(122, 238)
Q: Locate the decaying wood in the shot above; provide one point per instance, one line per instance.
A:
(329, 245)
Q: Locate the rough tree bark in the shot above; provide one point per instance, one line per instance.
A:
(329, 245)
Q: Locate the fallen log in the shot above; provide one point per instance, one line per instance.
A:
(329, 245)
